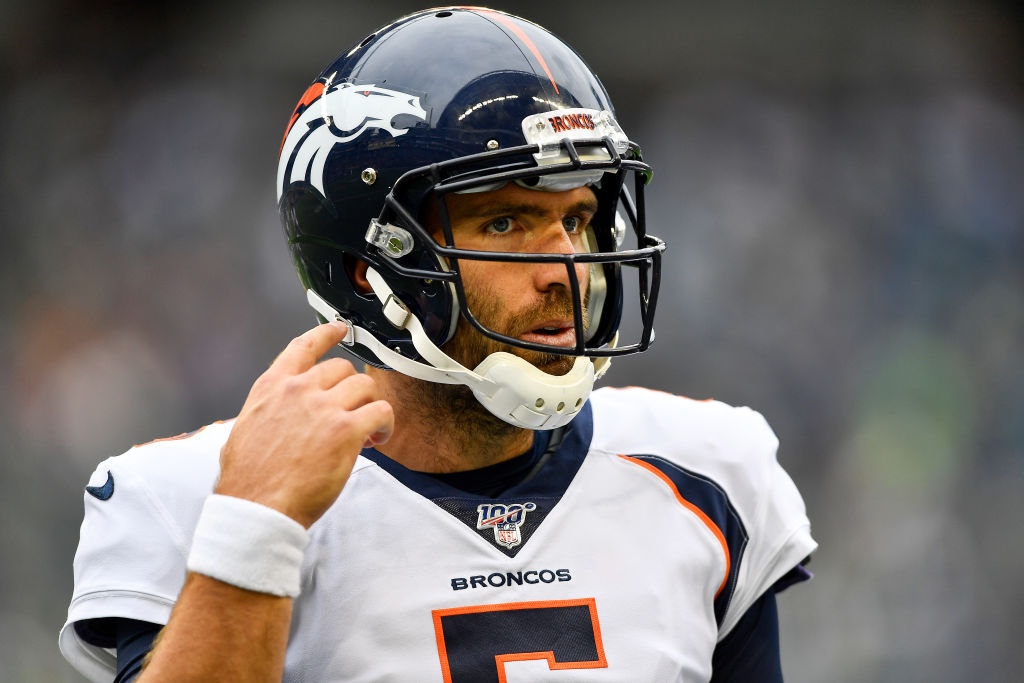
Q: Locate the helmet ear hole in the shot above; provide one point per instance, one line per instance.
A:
(356, 270)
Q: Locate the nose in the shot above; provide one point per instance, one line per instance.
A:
(555, 240)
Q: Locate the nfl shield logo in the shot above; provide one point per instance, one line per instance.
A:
(507, 534)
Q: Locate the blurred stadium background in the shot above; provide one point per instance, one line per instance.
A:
(841, 185)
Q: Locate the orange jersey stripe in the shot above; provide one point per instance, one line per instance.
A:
(692, 508)
(183, 435)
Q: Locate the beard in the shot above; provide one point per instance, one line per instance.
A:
(469, 348)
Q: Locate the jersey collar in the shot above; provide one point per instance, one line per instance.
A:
(552, 481)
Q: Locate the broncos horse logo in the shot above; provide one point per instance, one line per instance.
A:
(329, 114)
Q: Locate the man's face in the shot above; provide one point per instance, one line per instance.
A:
(529, 301)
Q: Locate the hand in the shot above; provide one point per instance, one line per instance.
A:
(303, 424)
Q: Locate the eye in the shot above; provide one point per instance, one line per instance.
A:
(572, 223)
(499, 226)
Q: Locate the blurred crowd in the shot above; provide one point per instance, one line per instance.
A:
(841, 186)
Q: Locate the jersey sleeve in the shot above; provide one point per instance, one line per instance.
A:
(724, 460)
(779, 530)
(140, 511)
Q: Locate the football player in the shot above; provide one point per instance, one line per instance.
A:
(467, 219)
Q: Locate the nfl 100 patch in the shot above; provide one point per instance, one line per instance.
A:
(506, 520)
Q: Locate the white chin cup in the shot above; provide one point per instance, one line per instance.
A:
(508, 386)
(529, 397)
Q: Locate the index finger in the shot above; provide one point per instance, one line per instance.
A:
(304, 351)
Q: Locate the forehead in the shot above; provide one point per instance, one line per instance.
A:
(521, 199)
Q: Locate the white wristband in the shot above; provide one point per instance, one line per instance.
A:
(248, 545)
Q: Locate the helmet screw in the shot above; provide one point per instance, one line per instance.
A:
(492, 144)
(539, 403)
(369, 176)
(540, 125)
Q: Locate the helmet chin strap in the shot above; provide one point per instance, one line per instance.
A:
(508, 386)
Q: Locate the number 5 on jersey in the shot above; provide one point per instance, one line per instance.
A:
(475, 642)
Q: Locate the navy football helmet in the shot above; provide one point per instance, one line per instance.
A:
(458, 100)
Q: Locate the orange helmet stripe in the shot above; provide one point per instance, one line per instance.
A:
(504, 21)
(312, 93)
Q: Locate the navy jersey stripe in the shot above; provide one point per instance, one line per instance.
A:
(709, 497)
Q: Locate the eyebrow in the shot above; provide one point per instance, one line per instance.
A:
(522, 209)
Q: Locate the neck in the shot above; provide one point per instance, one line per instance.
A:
(443, 428)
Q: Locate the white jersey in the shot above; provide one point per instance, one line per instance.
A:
(657, 522)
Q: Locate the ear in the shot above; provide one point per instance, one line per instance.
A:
(357, 274)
